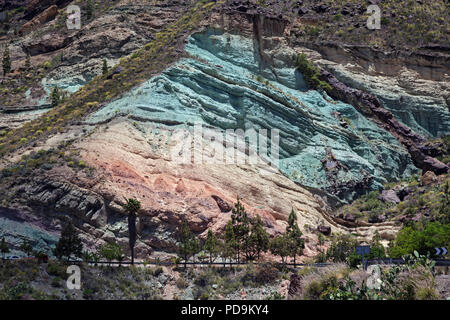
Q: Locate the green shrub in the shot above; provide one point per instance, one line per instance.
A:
(275, 296)
(421, 238)
(341, 249)
(56, 282)
(266, 274)
(181, 283)
(18, 291)
(56, 269)
(318, 289)
(311, 73)
(158, 271)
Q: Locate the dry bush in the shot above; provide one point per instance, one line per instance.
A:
(359, 277)
(316, 280)
(420, 283)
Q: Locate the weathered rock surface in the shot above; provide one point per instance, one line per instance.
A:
(326, 230)
(137, 164)
(389, 196)
(428, 178)
(224, 207)
(46, 16)
(239, 73)
(413, 86)
(64, 198)
(18, 226)
(370, 105)
(122, 29)
(224, 90)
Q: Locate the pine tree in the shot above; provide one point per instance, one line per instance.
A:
(279, 246)
(4, 247)
(211, 245)
(321, 240)
(6, 61)
(241, 226)
(189, 244)
(69, 244)
(55, 96)
(132, 206)
(105, 67)
(296, 243)
(26, 247)
(89, 9)
(229, 246)
(28, 62)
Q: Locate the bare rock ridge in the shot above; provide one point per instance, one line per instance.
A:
(420, 153)
(47, 15)
(430, 65)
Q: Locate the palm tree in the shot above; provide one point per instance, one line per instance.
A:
(131, 207)
(4, 247)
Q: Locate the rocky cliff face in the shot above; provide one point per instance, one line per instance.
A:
(236, 72)
(231, 89)
(414, 87)
(70, 58)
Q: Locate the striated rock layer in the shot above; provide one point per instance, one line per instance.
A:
(237, 74)
(223, 85)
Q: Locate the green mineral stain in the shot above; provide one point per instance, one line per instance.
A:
(223, 85)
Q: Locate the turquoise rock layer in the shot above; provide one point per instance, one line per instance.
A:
(223, 85)
(17, 231)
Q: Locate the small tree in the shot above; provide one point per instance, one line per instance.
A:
(26, 247)
(132, 207)
(188, 243)
(4, 247)
(377, 250)
(229, 245)
(111, 251)
(89, 9)
(105, 67)
(258, 240)
(69, 244)
(95, 257)
(195, 247)
(28, 62)
(55, 96)
(6, 61)
(241, 226)
(321, 239)
(211, 246)
(41, 256)
(296, 243)
(279, 246)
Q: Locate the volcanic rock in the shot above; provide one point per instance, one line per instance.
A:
(428, 178)
(43, 17)
(324, 230)
(389, 196)
(294, 285)
(350, 217)
(434, 165)
(223, 205)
